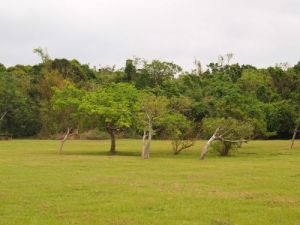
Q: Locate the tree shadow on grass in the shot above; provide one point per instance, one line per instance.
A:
(136, 154)
(248, 153)
(101, 153)
(280, 154)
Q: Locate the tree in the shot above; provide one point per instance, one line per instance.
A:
(198, 70)
(242, 107)
(66, 104)
(228, 57)
(45, 91)
(229, 132)
(43, 54)
(115, 107)
(73, 70)
(257, 83)
(153, 109)
(155, 73)
(2, 68)
(179, 130)
(268, 98)
(130, 70)
(281, 117)
(107, 75)
(20, 118)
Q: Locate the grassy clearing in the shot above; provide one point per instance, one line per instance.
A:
(258, 185)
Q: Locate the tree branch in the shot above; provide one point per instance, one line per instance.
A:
(3, 115)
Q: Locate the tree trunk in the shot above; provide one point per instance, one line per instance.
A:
(146, 146)
(3, 115)
(147, 155)
(226, 148)
(205, 149)
(294, 137)
(209, 142)
(144, 143)
(64, 140)
(110, 130)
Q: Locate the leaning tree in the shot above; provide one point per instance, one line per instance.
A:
(296, 131)
(229, 132)
(66, 104)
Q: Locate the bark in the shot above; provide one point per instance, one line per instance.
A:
(209, 142)
(294, 137)
(111, 132)
(64, 140)
(205, 149)
(147, 150)
(144, 143)
(226, 147)
(147, 137)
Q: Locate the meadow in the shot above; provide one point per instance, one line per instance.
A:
(259, 184)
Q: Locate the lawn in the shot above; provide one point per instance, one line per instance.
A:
(258, 185)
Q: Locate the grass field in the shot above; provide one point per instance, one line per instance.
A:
(258, 185)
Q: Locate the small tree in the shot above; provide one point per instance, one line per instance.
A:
(230, 132)
(153, 109)
(66, 104)
(179, 129)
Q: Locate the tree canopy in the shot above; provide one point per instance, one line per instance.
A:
(44, 99)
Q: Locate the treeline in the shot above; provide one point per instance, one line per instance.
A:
(46, 99)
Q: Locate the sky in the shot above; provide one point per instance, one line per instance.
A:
(107, 32)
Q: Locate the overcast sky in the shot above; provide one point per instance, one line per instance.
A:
(107, 32)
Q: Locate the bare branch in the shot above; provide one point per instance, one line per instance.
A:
(179, 145)
(226, 132)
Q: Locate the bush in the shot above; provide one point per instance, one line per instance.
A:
(224, 149)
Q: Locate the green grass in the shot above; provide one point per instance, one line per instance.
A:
(258, 185)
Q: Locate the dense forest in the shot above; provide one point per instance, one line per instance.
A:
(46, 99)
